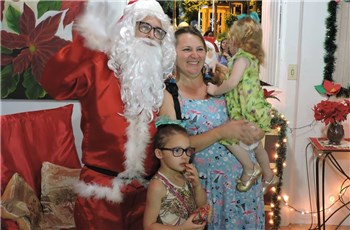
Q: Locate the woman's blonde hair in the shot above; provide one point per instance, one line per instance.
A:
(247, 35)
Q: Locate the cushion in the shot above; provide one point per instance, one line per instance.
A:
(30, 138)
(20, 203)
(8, 224)
(57, 195)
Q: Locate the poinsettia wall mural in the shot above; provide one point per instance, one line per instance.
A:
(31, 33)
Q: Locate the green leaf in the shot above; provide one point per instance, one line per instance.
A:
(230, 19)
(8, 82)
(45, 5)
(33, 89)
(320, 89)
(12, 16)
(5, 50)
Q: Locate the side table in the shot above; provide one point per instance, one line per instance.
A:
(324, 151)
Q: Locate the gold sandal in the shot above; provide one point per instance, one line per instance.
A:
(244, 186)
(268, 184)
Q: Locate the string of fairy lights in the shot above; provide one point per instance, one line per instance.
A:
(332, 199)
(280, 123)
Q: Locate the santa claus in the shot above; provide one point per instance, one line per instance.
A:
(116, 68)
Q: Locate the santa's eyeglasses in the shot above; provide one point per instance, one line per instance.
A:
(145, 28)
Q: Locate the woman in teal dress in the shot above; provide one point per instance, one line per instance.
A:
(207, 122)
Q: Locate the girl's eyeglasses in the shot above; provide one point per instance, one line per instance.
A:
(178, 151)
(145, 28)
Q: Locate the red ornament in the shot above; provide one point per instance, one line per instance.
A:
(331, 88)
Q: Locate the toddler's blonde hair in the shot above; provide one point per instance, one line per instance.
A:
(247, 35)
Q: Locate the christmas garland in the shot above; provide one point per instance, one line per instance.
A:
(330, 47)
(329, 44)
(280, 123)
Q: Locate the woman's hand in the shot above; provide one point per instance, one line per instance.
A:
(241, 130)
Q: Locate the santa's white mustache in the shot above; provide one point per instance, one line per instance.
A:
(149, 41)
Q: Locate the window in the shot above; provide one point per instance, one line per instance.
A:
(271, 40)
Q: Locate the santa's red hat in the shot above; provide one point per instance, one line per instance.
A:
(212, 41)
(150, 6)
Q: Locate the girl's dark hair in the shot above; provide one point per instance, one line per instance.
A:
(164, 132)
(189, 30)
(208, 32)
(221, 49)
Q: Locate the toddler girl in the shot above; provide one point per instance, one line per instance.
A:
(245, 97)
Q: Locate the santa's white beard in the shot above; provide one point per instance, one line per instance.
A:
(141, 76)
(211, 59)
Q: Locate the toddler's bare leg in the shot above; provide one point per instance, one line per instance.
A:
(264, 162)
(243, 157)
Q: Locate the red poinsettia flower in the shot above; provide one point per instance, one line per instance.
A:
(270, 94)
(331, 111)
(36, 44)
(73, 8)
(331, 88)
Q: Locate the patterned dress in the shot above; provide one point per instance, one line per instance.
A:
(246, 100)
(174, 211)
(218, 170)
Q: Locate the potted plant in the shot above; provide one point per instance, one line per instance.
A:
(333, 113)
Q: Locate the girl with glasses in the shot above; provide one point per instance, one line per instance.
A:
(175, 192)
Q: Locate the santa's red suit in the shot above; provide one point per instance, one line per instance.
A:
(105, 135)
(117, 150)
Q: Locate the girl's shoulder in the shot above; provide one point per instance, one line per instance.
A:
(239, 59)
(243, 53)
(157, 186)
(245, 58)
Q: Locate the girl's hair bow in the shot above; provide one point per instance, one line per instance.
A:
(253, 15)
(165, 120)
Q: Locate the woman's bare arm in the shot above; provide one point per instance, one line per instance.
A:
(234, 129)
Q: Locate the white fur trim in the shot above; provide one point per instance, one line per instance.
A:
(98, 22)
(135, 148)
(135, 153)
(100, 192)
(98, 25)
(144, 5)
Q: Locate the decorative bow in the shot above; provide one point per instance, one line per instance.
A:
(329, 88)
(253, 15)
(165, 120)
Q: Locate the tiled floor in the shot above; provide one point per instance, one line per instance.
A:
(307, 227)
